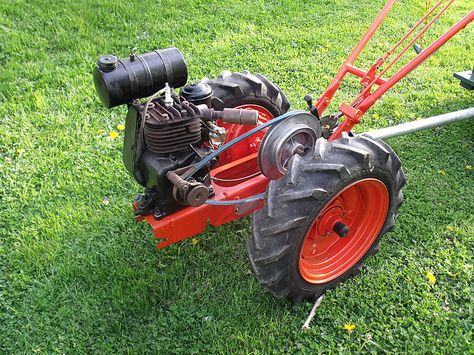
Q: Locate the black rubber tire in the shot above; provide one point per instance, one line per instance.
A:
(292, 203)
(235, 89)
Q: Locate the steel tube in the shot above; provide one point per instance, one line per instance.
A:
(427, 123)
(372, 98)
(327, 96)
(420, 58)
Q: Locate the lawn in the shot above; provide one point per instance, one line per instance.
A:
(77, 274)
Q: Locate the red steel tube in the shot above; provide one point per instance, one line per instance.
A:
(360, 73)
(368, 88)
(389, 53)
(420, 58)
(325, 98)
(370, 32)
(422, 32)
(370, 100)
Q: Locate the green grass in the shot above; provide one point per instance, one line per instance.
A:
(77, 275)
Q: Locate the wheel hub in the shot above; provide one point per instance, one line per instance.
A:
(328, 219)
(341, 229)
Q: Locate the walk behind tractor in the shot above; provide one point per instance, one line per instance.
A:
(320, 196)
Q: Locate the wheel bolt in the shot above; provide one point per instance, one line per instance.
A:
(341, 229)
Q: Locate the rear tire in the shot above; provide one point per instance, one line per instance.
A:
(237, 89)
(294, 249)
(247, 91)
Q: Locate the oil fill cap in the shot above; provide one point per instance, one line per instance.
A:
(196, 92)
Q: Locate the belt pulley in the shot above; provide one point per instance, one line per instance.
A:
(295, 135)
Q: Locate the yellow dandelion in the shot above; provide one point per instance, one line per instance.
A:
(419, 118)
(469, 167)
(375, 116)
(40, 101)
(431, 278)
(449, 229)
(113, 134)
(101, 131)
(349, 327)
(194, 241)
(20, 151)
(442, 172)
(120, 127)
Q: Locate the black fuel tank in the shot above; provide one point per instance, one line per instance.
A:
(120, 81)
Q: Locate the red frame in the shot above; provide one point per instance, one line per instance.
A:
(193, 220)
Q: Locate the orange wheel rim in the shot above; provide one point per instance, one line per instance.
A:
(344, 231)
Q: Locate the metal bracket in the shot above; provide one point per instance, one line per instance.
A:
(466, 78)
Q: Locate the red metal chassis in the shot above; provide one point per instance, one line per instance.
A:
(193, 220)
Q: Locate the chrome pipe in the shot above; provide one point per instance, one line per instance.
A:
(427, 123)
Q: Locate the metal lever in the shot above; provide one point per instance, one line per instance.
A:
(417, 48)
(311, 107)
(186, 192)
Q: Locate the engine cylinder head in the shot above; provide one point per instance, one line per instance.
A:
(170, 129)
(120, 81)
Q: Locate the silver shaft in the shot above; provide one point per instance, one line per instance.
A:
(427, 123)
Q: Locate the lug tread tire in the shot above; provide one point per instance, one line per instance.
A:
(239, 88)
(293, 201)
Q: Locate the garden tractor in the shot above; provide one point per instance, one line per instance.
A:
(216, 150)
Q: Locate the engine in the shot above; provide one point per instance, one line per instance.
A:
(168, 132)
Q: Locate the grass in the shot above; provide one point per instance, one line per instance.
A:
(77, 275)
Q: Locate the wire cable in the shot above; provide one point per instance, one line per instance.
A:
(237, 179)
(226, 146)
(253, 198)
(204, 161)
